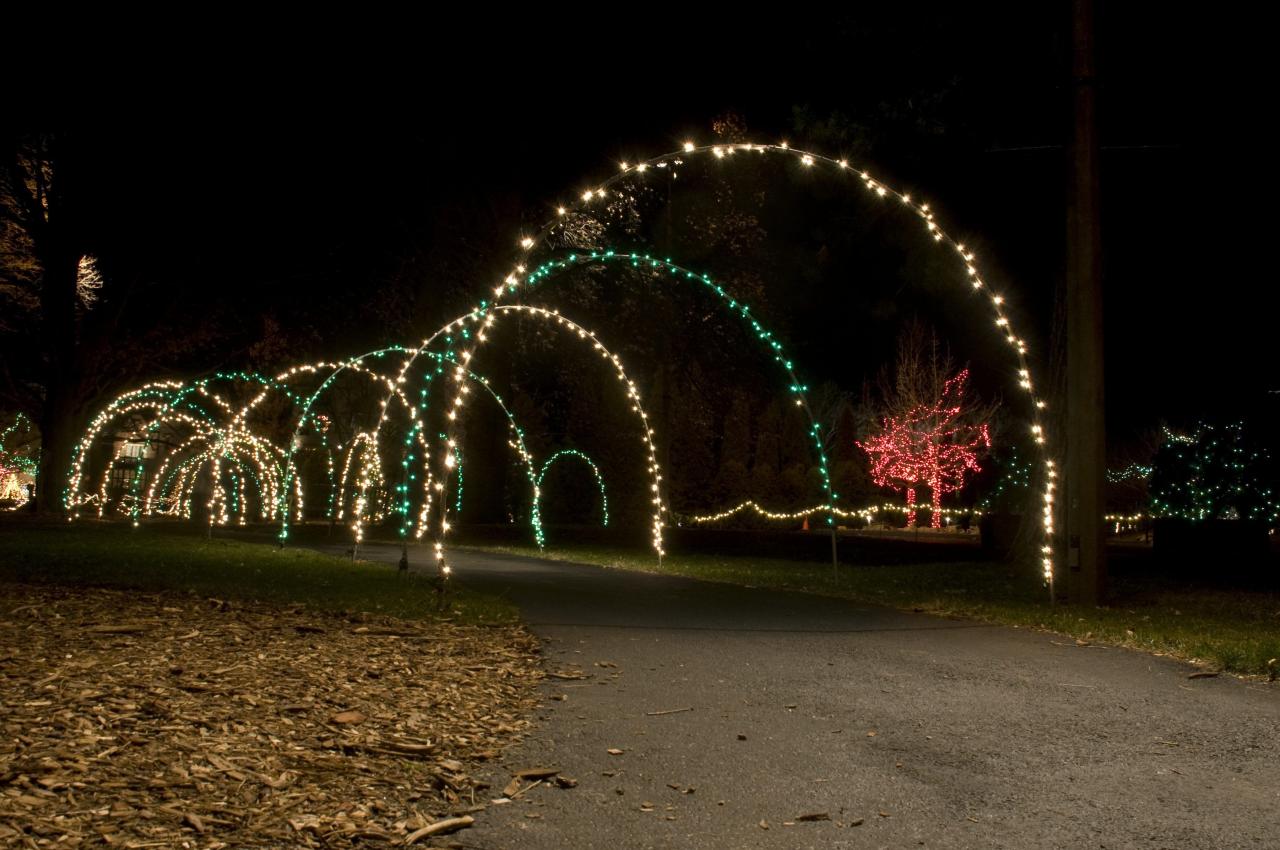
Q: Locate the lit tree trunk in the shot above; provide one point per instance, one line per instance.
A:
(911, 507)
(935, 488)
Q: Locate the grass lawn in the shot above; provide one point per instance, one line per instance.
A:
(1235, 631)
(156, 558)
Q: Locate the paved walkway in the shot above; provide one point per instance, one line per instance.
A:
(737, 708)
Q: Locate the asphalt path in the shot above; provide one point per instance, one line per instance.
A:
(738, 710)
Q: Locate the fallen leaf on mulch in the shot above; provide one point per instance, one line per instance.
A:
(613, 751)
(167, 720)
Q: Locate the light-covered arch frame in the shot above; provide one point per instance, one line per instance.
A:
(539, 276)
(484, 319)
(841, 169)
(595, 470)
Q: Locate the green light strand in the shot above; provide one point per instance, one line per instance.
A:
(604, 498)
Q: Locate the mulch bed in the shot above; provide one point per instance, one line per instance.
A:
(140, 720)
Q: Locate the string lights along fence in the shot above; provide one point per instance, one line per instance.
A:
(408, 481)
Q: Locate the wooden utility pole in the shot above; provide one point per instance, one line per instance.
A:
(1086, 413)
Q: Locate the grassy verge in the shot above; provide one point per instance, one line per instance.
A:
(154, 559)
(1236, 631)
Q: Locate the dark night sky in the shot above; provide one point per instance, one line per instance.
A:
(255, 154)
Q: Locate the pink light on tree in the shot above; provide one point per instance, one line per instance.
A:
(928, 446)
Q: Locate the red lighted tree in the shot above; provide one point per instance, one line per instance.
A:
(928, 445)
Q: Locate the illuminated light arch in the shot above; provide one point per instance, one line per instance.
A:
(370, 441)
(103, 489)
(841, 168)
(174, 490)
(418, 427)
(267, 457)
(279, 384)
(728, 153)
(240, 445)
(123, 404)
(633, 395)
(166, 414)
(25, 464)
(414, 413)
(485, 318)
(15, 463)
(200, 386)
(418, 433)
(734, 306)
(354, 364)
(526, 457)
(371, 475)
(595, 470)
(357, 444)
(219, 510)
(182, 490)
(167, 397)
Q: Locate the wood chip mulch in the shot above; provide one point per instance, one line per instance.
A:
(140, 720)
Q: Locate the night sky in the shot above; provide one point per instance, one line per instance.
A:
(293, 165)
